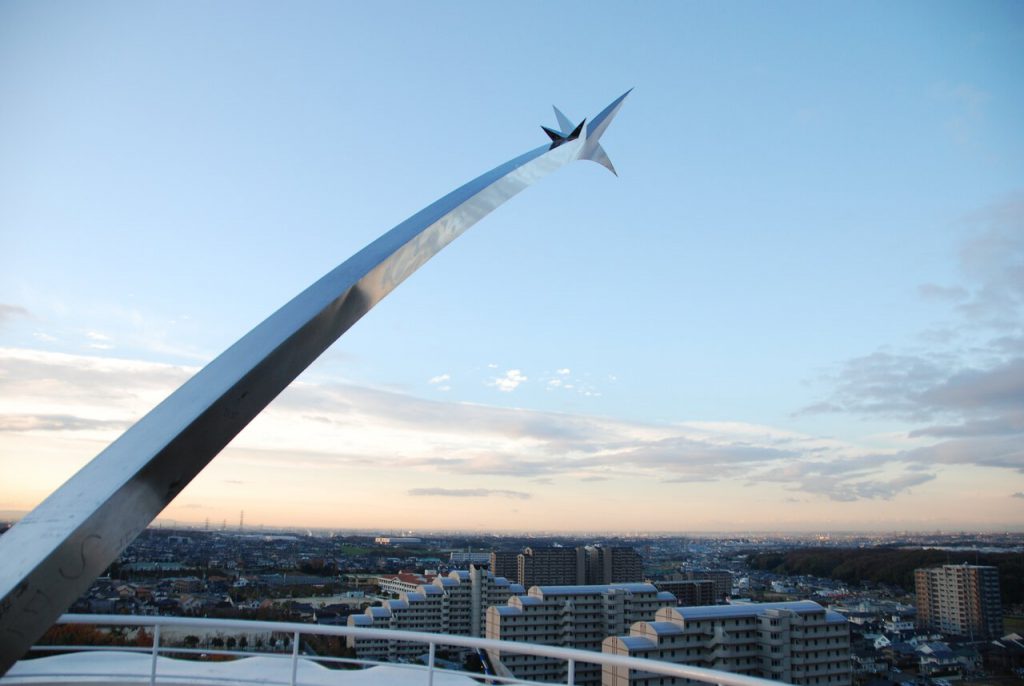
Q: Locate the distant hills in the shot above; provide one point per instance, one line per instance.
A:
(893, 566)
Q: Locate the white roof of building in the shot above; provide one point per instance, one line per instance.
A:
(637, 642)
(596, 589)
(665, 628)
(507, 610)
(745, 609)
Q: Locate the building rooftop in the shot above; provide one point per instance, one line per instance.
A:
(665, 628)
(637, 642)
(507, 610)
(745, 610)
(594, 589)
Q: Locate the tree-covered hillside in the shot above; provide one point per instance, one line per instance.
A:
(889, 565)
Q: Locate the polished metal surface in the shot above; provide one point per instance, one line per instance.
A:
(49, 558)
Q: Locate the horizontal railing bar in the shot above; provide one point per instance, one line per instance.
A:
(255, 626)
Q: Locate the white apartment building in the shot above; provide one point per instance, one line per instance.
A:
(454, 604)
(794, 642)
(403, 582)
(962, 600)
(572, 617)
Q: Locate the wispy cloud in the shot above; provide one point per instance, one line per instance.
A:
(57, 422)
(10, 312)
(331, 426)
(967, 390)
(469, 493)
(933, 291)
(440, 382)
(98, 341)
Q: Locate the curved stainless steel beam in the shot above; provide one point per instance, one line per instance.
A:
(49, 558)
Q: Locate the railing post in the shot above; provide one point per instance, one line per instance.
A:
(572, 673)
(156, 650)
(295, 656)
(430, 664)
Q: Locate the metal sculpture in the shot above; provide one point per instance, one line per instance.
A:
(51, 557)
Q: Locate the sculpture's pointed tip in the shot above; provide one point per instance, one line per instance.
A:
(589, 133)
(555, 136)
(564, 122)
(577, 131)
(601, 157)
(592, 149)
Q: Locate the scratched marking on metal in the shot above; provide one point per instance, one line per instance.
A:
(50, 557)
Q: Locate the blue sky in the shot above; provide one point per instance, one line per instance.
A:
(802, 295)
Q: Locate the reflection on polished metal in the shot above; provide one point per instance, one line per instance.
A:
(51, 556)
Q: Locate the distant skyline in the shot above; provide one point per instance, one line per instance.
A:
(800, 306)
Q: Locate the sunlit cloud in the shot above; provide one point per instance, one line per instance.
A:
(98, 341)
(511, 380)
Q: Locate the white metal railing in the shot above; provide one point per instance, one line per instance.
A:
(296, 631)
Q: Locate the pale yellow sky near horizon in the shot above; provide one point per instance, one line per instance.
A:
(338, 456)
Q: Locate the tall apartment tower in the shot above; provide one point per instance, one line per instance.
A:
(690, 592)
(721, 577)
(505, 563)
(962, 600)
(613, 565)
(551, 567)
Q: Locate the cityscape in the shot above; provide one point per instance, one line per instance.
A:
(301, 384)
(851, 609)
